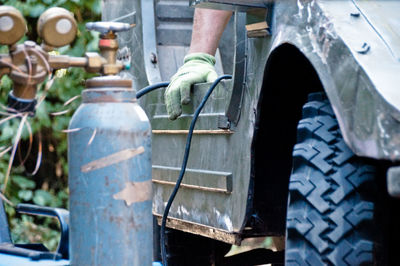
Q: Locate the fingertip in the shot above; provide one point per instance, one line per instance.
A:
(185, 100)
(185, 92)
(212, 76)
(175, 114)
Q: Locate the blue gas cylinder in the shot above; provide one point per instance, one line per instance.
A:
(109, 158)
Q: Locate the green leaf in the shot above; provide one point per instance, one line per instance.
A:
(19, 187)
(23, 182)
(6, 133)
(61, 2)
(6, 83)
(42, 197)
(37, 10)
(25, 195)
(96, 7)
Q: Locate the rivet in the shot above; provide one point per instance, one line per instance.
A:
(153, 58)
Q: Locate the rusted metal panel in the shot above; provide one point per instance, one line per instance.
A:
(332, 36)
(199, 229)
(110, 185)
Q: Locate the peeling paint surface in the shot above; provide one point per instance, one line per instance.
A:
(135, 192)
(110, 183)
(112, 159)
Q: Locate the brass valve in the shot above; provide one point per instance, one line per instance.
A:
(30, 68)
(29, 64)
(12, 25)
(108, 44)
(57, 27)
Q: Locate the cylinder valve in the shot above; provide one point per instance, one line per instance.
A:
(12, 25)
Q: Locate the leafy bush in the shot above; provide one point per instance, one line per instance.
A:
(49, 187)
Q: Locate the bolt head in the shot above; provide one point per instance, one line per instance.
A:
(29, 44)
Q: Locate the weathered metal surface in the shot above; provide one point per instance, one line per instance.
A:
(363, 94)
(199, 229)
(110, 180)
(149, 43)
(235, 102)
(196, 179)
(105, 82)
(393, 181)
(343, 40)
(211, 206)
(174, 22)
(209, 153)
(166, 34)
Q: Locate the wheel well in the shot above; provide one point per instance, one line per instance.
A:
(288, 78)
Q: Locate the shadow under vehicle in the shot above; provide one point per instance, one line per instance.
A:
(312, 114)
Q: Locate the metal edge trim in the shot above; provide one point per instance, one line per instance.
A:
(219, 190)
(233, 238)
(195, 132)
(149, 41)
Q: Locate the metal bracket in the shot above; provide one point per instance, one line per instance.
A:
(149, 43)
(239, 72)
(61, 214)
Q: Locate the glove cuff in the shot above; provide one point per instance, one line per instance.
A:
(200, 56)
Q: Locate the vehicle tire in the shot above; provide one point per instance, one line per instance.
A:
(332, 196)
(189, 249)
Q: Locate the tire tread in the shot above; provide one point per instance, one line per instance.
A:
(327, 208)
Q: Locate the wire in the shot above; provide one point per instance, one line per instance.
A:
(186, 155)
(151, 88)
(184, 163)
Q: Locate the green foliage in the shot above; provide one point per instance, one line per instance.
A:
(49, 187)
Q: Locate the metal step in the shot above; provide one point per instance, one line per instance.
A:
(174, 20)
(174, 10)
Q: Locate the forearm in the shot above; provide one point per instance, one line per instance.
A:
(208, 26)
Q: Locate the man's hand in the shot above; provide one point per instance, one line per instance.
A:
(197, 68)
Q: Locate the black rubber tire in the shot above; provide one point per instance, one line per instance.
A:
(331, 209)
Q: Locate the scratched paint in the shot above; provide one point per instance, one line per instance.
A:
(112, 159)
(135, 192)
(110, 181)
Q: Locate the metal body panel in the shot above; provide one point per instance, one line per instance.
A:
(331, 37)
(363, 93)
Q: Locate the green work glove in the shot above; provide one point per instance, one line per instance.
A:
(197, 68)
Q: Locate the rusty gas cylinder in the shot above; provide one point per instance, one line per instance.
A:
(109, 158)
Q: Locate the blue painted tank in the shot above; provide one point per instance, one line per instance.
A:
(109, 145)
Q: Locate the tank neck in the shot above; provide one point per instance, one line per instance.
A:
(108, 89)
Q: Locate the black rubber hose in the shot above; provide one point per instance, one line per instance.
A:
(151, 88)
(184, 163)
